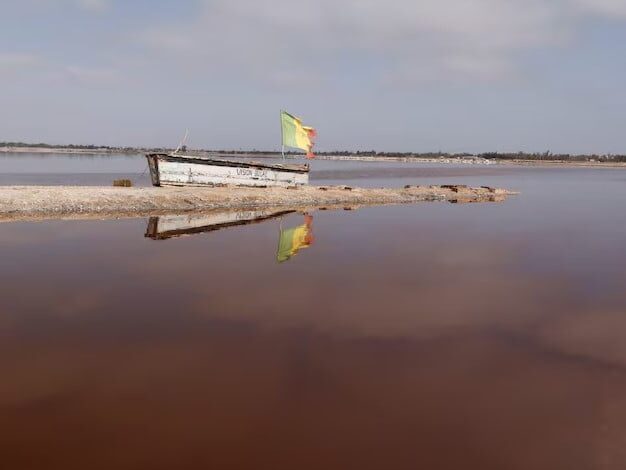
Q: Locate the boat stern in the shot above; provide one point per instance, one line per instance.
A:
(153, 165)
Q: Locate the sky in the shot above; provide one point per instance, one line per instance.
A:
(393, 75)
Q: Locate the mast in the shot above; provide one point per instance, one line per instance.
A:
(182, 142)
(282, 136)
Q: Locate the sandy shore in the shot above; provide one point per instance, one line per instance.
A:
(75, 202)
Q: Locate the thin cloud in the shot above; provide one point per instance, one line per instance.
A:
(604, 7)
(170, 40)
(11, 62)
(96, 6)
(474, 39)
(93, 76)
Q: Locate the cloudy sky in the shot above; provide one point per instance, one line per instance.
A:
(451, 75)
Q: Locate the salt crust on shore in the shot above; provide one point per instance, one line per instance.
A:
(76, 202)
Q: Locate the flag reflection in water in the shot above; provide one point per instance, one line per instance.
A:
(292, 240)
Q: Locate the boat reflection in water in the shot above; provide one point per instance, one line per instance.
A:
(290, 240)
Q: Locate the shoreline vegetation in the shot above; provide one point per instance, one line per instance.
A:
(519, 158)
(24, 203)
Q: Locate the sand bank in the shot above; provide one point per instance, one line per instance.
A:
(75, 202)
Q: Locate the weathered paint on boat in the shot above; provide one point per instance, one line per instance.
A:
(171, 226)
(181, 170)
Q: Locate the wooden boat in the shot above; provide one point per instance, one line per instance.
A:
(185, 170)
(173, 226)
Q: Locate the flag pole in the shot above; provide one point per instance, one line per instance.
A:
(282, 135)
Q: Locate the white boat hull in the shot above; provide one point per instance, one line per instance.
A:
(174, 170)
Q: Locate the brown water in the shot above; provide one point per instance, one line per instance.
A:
(488, 336)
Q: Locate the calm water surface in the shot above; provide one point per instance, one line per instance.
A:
(487, 336)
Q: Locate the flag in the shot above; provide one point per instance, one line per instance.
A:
(294, 239)
(296, 135)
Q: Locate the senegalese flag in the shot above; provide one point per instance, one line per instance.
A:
(294, 239)
(296, 135)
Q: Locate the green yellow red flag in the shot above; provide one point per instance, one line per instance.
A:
(296, 135)
(294, 239)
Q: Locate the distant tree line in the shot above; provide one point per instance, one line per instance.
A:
(548, 156)
(53, 146)
(346, 153)
(87, 148)
(545, 156)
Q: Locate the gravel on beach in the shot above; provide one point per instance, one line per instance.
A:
(76, 202)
